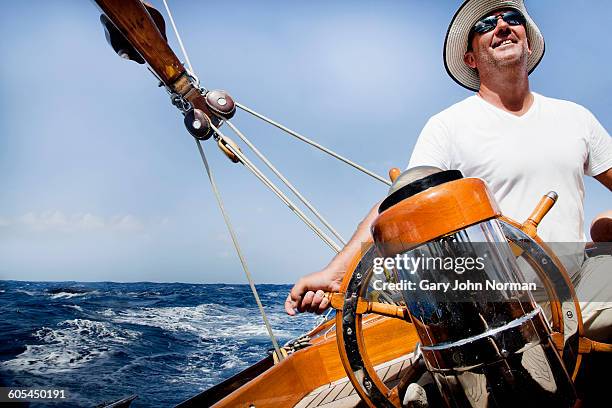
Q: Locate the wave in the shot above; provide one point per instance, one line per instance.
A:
(67, 293)
(186, 336)
(54, 291)
(27, 292)
(72, 344)
(205, 320)
(77, 307)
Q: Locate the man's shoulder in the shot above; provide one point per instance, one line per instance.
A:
(458, 110)
(562, 105)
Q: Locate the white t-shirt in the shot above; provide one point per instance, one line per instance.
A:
(550, 148)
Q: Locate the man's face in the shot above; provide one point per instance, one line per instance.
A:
(504, 46)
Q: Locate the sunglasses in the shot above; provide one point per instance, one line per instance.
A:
(486, 24)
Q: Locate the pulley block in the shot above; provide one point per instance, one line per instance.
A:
(221, 103)
(223, 144)
(198, 124)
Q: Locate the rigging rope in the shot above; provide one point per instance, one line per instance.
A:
(262, 177)
(313, 143)
(250, 166)
(178, 37)
(228, 224)
(238, 250)
(286, 182)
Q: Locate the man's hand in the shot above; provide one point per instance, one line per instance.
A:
(308, 294)
(601, 227)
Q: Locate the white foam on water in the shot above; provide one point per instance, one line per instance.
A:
(214, 363)
(211, 321)
(226, 335)
(144, 293)
(27, 292)
(107, 312)
(232, 361)
(68, 295)
(71, 344)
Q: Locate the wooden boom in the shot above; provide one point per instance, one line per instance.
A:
(133, 20)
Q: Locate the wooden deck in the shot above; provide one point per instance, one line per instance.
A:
(342, 394)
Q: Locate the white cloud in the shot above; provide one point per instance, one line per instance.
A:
(126, 223)
(57, 221)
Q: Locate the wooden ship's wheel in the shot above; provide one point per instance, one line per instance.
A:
(351, 344)
(560, 343)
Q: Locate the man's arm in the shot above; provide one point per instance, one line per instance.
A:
(605, 178)
(307, 294)
(432, 149)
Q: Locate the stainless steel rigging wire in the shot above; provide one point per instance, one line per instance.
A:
(295, 191)
(313, 143)
(262, 177)
(249, 165)
(225, 215)
(232, 233)
(178, 37)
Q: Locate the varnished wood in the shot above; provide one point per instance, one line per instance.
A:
(385, 309)
(133, 20)
(555, 303)
(433, 213)
(288, 382)
(387, 338)
(365, 306)
(222, 143)
(557, 319)
(404, 339)
(394, 173)
(381, 339)
(339, 321)
(321, 363)
(591, 346)
(136, 24)
(530, 226)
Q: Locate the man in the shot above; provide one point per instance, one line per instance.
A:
(521, 143)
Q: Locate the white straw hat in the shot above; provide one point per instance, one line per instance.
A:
(456, 42)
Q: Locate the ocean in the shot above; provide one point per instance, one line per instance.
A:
(164, 342)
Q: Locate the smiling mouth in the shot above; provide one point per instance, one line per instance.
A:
(502, 43)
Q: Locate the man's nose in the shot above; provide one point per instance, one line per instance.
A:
(502, 27)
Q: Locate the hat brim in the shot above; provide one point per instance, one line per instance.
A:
(455, 44)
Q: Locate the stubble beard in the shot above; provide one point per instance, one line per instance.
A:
(506, 63)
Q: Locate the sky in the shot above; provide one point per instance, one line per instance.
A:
(100, 181)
